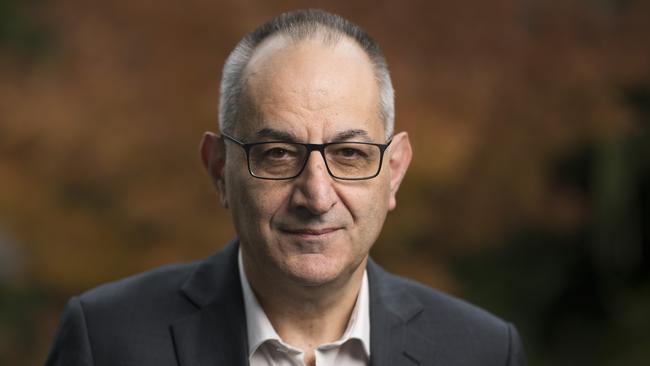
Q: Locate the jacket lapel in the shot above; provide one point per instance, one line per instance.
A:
(392, 343)
(216, 333)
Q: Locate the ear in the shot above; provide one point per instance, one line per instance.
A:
(213, 156)
(399, 158)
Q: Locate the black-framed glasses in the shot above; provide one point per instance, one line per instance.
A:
(279, 160)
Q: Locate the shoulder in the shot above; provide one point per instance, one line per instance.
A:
(152, 285)
(143, 303)
(120, 314)
(415, 296)
(134, 314)
(165, 291)
(447, 308)
(456, 327)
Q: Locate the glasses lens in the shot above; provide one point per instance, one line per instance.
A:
(350, 160)
(276, 160)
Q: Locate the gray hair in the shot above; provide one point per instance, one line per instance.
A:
(300, 25)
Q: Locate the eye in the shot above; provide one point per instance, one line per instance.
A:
(350, 153)
(277, 153)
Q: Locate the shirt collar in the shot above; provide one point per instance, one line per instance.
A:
(261, 330)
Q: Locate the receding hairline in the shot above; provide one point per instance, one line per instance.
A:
(277, 43)
(285, 41)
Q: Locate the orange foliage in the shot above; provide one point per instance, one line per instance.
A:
(99, 168)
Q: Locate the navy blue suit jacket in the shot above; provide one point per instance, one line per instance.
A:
(193, 315)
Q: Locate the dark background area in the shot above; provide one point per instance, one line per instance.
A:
(529, 193)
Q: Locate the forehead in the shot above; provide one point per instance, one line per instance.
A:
(311, 88)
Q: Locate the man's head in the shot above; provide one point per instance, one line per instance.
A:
(305, 82)
(299, 26)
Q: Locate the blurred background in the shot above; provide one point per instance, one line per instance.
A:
(529, 193)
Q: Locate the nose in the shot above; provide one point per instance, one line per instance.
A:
(313, 187)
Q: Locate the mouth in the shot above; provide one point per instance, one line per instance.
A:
(309, 232)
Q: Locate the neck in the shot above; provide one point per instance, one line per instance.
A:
(307, 316)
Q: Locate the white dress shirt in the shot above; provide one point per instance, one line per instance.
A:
(266, 348)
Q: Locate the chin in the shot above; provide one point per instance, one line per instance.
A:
(316, 270)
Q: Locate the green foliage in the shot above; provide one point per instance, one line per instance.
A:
(19, 31)
(18, 323)
(582, 298)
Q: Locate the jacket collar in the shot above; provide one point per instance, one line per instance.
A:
(392, 307)
(216, 333)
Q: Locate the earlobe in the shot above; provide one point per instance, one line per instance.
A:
(399, 160)
(213, 156)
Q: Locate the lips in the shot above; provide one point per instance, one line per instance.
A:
(310, 231)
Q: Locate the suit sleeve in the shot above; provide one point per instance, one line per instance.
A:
(516, 355)
(71, 345)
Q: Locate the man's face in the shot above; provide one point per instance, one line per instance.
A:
(312, 229)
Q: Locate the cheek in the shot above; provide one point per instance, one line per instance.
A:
(367, 203)
(254, 201)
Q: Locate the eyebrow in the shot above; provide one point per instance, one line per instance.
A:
(352, 134)
(274, 134)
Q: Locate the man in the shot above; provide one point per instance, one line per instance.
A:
(308, 164)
